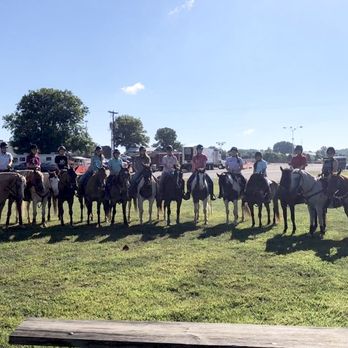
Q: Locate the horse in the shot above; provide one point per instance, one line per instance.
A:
(337, 190)
(173, 190)
(312, 191)
(256, 194)
(94, 192)
(119, 193)
(67, 187)
(147, 190)
(231, 190)
(286, 199)
(200, 192)
(39, 186)
(12, 188)
(52, 197)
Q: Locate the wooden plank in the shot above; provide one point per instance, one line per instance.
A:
(87, 333)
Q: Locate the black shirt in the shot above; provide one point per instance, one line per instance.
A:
(61, 161)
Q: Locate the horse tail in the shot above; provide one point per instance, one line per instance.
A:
(245, 208)
(276, 207)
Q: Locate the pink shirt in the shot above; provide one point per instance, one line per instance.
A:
(199, 161)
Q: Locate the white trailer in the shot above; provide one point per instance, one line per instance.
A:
(213, 155)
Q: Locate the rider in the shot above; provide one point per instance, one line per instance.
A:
(260, 167)
(299, 161)
(140, 161)
(169, 162)
(330, 164)
(199, 161)
(6, 158)
(61, 160)
(33, 160)
(96, 164)
(115, 165)
(234, 165)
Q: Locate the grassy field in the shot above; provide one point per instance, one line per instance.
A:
(213, 273)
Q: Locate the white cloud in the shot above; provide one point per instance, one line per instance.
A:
(134, 89)
(186, 6)
(249, 131)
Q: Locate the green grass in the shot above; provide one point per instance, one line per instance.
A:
(213, 273)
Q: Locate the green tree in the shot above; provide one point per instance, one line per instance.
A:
(129, 131)
(284, 147)
(166, 136)
(49, 117)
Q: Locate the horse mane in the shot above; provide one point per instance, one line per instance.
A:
(285, 180)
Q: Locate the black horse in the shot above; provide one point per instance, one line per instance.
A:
(288, 200)
(257, 193)
(118, 186)
(67, 187)
(172, 190)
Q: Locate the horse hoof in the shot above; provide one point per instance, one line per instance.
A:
(97, 226)
(43, 225)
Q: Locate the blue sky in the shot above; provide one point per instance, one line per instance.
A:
(214, 70)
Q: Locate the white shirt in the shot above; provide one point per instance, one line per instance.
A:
(168, 163)
(5, 159)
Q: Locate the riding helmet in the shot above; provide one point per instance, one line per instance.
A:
(169, 148)
(3, 144)
(33, 147)
(330, 150)
(234, 149)
(141, 148)
(61, 147)
(199, 147)
(299, 148)
(98, 148)
(116, 151)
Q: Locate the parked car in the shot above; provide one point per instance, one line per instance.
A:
(48, 167)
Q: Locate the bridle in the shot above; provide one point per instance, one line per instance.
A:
(299, 189)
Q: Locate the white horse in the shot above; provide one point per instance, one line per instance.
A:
(231, 191)
(147, 191)
(311, 189)
(200, 192)
(41, 185)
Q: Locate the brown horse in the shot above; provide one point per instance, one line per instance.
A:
(95, 192)
(256, 194)
(12, 187)
(337, 191)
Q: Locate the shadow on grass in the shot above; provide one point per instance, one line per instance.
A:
(84, 233)
(241, 235)
(327, 249)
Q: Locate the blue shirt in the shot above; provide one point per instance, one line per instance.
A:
(261, 167)
(234, 164)
(96, 164)
(115, 165)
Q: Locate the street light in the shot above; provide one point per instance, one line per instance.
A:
(293, 129)
(220, 144)
(113, 142)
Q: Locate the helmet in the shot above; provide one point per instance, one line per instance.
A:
(33, 147)
(98, 148)
(234, 149)
(169, 148)
(330, 150)
(299, 148)
(141, 148)
(258, 154)
(3, 144)
(199, 147)
(116, 151)
(61, 147)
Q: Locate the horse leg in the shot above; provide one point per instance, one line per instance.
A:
(9, 208)
(71, 203)
(151, 200)
(168, 213)
(28, 215)
(321, 217)
(243, 209)
(227, 211)
(141, 209)
(312, 219)
(124, 212)
(345, 205)
(43, 212)
(19, 204)
(292, 213)
(196, 211)
(49, 201)
(178, 208)
(98, 213)
(235, 212)
(285, 215)
(269, 214)
(60, 211)
(260, 215)
(89, 210)
(34, 212)
(251, 208)
(81, 208)
(205, 211)
(113, 212)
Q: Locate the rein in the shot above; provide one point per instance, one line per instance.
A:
(308, 191)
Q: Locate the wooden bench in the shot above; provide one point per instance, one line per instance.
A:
(85, 333)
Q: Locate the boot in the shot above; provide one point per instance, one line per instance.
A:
(212, 197)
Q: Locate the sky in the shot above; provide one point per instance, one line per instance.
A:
(231, 71)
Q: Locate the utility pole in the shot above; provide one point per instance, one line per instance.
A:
(293, 130)
(86, 128)
(113, 141)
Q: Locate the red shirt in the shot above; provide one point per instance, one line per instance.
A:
(298, 162)
(199, 161)
(33, 160)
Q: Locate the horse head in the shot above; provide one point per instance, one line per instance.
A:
(53, 183)
(285, 180)
(124, 179)
(36, 179)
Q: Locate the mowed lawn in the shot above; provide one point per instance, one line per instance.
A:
(213, 273)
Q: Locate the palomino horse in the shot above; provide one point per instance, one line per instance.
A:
(200, 192)
(67, 187)
(337, 190)
(286, 199)
(312, 191)
(94, 192)
(172, 190)
(231, 190)
(39, 185)
(119, 194)
(12, 187)
(147, 191)
(256, 194)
